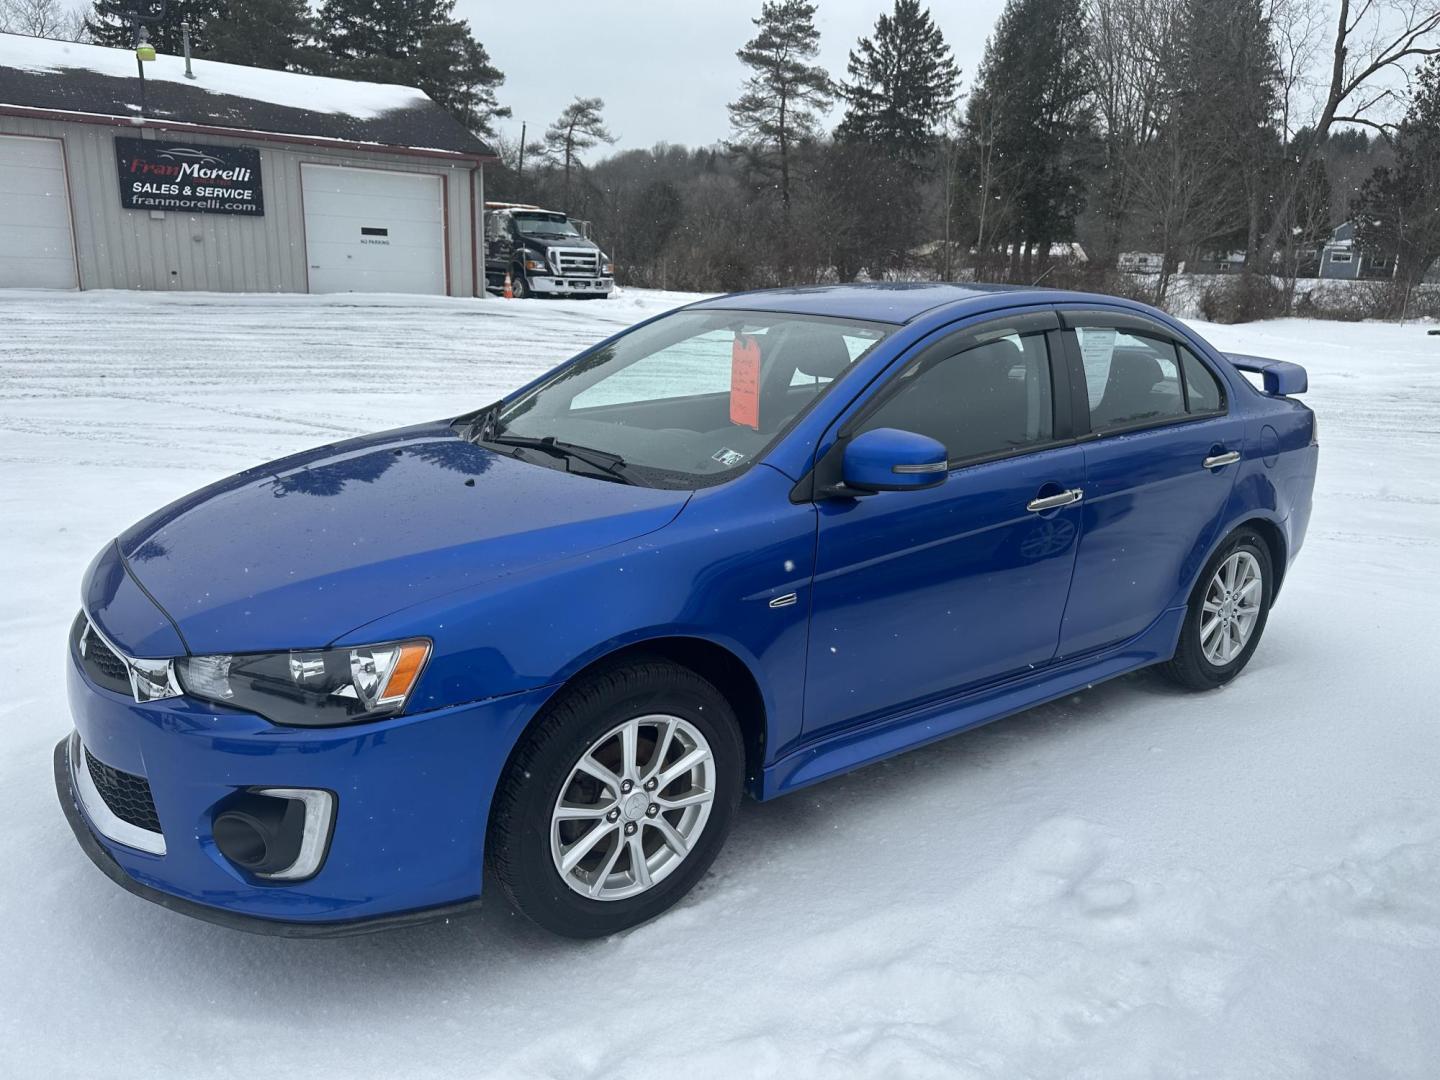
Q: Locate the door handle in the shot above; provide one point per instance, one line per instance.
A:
(1054, 502)
(1215, 461)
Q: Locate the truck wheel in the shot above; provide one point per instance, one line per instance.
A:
(618, 800)
(518, 286)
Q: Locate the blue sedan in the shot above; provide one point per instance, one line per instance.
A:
(743, 547)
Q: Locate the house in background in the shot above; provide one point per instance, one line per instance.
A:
(1140, 262)
(1342, 260)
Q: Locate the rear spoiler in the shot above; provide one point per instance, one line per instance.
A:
(1282, 379)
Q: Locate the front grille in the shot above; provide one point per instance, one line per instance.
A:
(101, 664)
(127, 795)
(577, 261)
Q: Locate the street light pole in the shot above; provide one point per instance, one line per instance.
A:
(141, 38)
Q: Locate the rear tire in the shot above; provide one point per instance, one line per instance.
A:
(637, 842)
(1226, 617)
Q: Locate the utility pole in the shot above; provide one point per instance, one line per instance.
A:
(520, 172)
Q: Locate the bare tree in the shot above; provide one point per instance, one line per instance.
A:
(1174, 186)
(42, 18)
(1130, 44)
(1374, 45)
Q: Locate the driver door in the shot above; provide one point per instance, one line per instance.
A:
(923, 594)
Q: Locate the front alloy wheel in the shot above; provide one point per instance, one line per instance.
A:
(633, 807)
(616, 801)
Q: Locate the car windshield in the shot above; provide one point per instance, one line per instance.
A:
(692, 396)
(545, 225)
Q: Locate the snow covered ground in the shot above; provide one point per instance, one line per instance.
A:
(1130, 883)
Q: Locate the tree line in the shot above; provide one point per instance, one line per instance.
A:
(1211, 133)
(1235, 133)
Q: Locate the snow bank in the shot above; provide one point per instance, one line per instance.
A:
(1128, 883)
(315, 93)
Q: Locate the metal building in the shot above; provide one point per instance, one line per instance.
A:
(228, 178)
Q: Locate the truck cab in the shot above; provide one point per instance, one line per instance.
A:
(545, 252)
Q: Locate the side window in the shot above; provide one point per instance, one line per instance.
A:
(1202, 388)
(1130, 378)
(990, 398)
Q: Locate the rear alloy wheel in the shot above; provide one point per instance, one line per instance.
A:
(1231, 608)
(1227, 614)
(618, 799)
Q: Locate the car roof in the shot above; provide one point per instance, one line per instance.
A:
(897, 301)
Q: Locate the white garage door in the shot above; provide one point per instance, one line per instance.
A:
(373, 231)
(36, 250)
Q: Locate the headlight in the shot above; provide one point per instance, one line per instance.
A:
(607, 268)
(310, 689)
(534, 264)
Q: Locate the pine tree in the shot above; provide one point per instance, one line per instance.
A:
(780, 99)
(579, 128)
(1398, 209)
(457, 72)
(166, 35)
(1030, 113)
(1224, 91)
(263, 33)
(414, 43)
(902, 83)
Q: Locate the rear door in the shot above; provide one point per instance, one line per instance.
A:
(1160, 461)
(922, 594)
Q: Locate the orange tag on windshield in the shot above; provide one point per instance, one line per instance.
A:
(745, 382)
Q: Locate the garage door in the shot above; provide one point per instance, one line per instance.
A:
(36, 250)
(373, 231)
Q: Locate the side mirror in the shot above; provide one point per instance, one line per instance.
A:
(887, 459)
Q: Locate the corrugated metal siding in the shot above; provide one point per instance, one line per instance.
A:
(130, 249)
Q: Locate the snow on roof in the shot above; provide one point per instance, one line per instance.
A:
(38, 73)
(314, 93)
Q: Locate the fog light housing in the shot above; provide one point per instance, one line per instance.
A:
(279, 834)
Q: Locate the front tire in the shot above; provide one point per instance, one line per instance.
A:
(519, 288)
(1227, 614)
(618, 800)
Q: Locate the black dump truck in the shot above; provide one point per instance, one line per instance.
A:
(544, 252)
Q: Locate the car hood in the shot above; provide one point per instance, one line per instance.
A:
(298, 552)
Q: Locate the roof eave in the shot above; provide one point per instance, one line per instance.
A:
(138, 122)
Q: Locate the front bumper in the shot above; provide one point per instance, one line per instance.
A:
(582, 286)
(413, 798)
(101, 857)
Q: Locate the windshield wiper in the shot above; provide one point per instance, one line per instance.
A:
(608, 463)
(481, 424)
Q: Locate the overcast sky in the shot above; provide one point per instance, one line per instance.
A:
(667, 68)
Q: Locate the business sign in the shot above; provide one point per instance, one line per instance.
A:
(189, 177)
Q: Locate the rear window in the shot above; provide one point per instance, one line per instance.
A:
(1201, 386)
